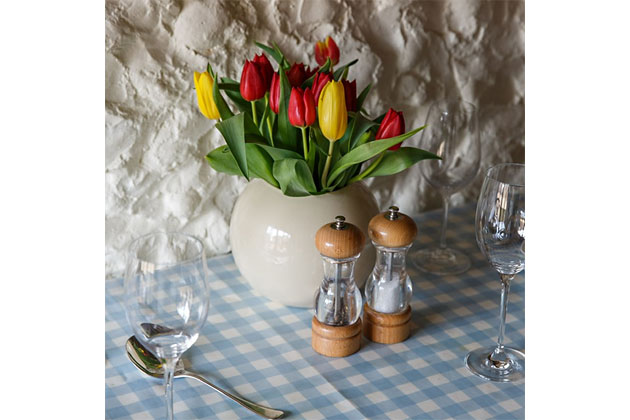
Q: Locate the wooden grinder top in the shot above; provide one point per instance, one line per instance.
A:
(392, 229)
(339, 239)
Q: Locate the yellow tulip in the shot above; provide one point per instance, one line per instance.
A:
(331, 108)
(203, 85)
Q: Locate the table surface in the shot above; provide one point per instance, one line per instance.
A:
(262, 351)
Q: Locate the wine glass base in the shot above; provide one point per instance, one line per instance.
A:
(442, 261)
(478, 362)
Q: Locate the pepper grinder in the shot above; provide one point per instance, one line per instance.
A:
(389, 289)
(336, 326)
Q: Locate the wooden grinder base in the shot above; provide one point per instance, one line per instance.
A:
(386, 328)
(336, 341)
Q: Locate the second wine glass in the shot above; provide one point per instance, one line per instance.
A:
(167, 297)
(500, 233)
(453, 134)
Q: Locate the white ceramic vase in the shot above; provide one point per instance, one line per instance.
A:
(273, 238)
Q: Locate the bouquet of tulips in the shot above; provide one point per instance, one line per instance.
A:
(301, 130)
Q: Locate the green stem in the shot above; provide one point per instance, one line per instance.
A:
(269, 119)
(327, 165)
(270, 130)
(368, 171)
(304, 143)
(254, 117)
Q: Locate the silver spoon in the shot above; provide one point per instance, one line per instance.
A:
(144, 360)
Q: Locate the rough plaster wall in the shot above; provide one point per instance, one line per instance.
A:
(411, 51)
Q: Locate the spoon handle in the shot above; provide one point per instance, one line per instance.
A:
(261, 410)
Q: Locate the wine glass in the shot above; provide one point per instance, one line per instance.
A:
(166, 297)
(500, 232)
(452, 133)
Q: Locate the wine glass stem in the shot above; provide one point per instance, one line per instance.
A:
(169, 372)
(497, 354)
(445, 199)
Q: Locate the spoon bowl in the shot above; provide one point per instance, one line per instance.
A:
(146, 362)
(149, 364)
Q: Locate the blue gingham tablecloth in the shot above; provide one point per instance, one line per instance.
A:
(262, 351)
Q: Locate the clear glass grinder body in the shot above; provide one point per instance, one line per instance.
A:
(338, 300)
(389, 288)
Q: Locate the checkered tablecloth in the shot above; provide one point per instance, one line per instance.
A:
(262, 351)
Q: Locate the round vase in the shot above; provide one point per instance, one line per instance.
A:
(273, 238)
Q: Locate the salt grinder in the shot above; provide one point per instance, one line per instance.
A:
(389, 289)
(336, 326)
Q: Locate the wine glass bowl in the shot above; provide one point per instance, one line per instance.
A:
(500, 218)
(452, 133)
(166, 296)
(500, 234)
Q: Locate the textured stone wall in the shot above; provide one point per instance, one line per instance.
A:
(411, 51)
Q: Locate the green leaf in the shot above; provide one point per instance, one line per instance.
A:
(337, 74)
(235, 87)
(284, 63)
(363, 139)
(233, 130)
(234, 93)
(259, 163)
(286, 132)
(224, 110)
(321, 143)
(252, 134)
(262, 123)
(363, 95)
(222, 160)
(275, 54)
(312, 154)
(339, 182)
(359, 126)
(398, 160)
(367, 151)
(268, 115)
(279, 154)
(294, 177)
(326, 66)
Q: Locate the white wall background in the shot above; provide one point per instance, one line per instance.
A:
(156, 176)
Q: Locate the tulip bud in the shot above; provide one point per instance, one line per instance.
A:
(252, 82)
(203, 86)
(393, 125)
(327, 49)
(301, 107)
(319, 81)
(274, 93)
(333, 116)
(350, 90)
(265, 69)
(296, 74)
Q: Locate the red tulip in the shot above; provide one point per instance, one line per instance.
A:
(274, 93)
(301, 107)
(350, 90)
(392, 125)
(265, 68)
(326, 49)
(253, 85)
(319, 81)
(296, 74)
